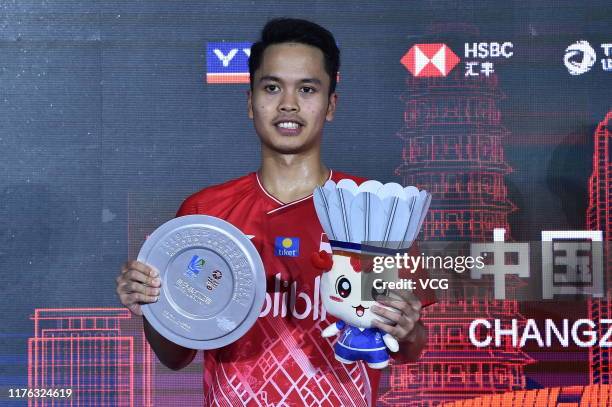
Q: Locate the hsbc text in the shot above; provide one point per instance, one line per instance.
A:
(488, 49)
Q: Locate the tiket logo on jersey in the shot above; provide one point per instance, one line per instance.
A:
(287, 299)
(195, 266)
(287, 246)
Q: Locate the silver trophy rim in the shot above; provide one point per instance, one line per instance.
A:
(150, 311)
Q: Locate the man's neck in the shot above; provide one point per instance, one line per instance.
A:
(289, 177)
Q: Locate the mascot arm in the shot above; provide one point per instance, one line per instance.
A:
(391, 342)
(333, 329)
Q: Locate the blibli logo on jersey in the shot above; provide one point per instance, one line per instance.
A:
(287, 246)
(227, 62)
(288, 300)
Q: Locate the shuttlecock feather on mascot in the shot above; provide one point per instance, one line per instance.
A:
(369, 219)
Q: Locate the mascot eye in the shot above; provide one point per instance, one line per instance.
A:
(377, 293)
(343, 287)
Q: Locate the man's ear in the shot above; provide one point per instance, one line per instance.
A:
(331, 107)
(250, 103)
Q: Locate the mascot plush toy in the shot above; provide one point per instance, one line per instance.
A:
(361, 221)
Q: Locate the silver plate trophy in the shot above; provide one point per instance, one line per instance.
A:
(213, 281)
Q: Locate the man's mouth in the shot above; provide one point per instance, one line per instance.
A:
(359, 310)
(288, 127)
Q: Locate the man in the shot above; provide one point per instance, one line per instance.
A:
(283, 359)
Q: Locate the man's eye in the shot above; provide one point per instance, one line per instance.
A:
(271, 88)
(308, 89)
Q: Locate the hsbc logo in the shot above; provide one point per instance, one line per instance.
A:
(438, 60)
(430, 60)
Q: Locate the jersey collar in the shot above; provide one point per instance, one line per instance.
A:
(278, 205)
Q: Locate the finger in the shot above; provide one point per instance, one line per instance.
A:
(400, 331)
(132, 286)
(390, 329)
(399, 305)
(139, 298)
(136, 275)
(403, 305)
(135, 287)
(135, 309)
(416, 304)
(140, 266)
(382, 326)
(406, 295)
(405, 321)
(391, 315)
(403, 294)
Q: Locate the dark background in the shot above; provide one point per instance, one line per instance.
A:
(106, 121)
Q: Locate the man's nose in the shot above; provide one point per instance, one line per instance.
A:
(289, 103)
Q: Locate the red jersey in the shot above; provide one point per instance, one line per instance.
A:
(282, 359)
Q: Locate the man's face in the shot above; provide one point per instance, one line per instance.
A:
(289, 102)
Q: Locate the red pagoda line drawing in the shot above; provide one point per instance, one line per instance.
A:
(453, 148)
(583, 396)
(600, 199)
(598, 218)
(88, 351)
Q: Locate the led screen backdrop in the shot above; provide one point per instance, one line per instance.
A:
(113, 112)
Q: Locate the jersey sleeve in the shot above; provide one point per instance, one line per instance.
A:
(188, 207)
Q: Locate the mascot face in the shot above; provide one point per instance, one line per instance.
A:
(341, 292)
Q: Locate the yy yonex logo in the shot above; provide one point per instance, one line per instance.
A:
(579, 58)
(227, 62)
(287, 246)
(195, 266)
(428, 60)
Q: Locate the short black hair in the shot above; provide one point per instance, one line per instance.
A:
(282, 30)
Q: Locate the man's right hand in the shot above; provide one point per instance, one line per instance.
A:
(137, 284)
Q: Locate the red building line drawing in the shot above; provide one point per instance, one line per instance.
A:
(453, 133)
(598, 218)
(453, 148)
(148, 372)
(574, 396)
(89, 351)
(600, 201)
